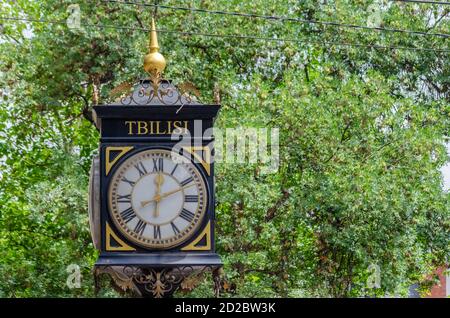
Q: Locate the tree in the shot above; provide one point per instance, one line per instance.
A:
(361, 139)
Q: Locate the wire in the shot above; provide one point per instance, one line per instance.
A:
(419, 1)
(234, 36)
(266, 17)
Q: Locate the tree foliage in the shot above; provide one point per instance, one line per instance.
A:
(362, 134)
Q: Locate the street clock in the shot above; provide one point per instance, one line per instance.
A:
(152, 188)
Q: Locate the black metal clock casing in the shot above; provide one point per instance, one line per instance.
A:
(130, 130)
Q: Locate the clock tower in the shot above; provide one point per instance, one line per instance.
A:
(152, 186)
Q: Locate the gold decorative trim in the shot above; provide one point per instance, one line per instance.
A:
(207, 154)
(123, 246)
(148, 241)
(205, 233)
(146, 281)
(108, 163)
(190, 282)
(121, 279)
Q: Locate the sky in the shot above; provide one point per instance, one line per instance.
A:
(446, 171)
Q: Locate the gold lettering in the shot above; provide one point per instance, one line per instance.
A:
(179, 129)
(176, 125)
(130, 126)
(158, 131)
(151, 127)
(142, 128)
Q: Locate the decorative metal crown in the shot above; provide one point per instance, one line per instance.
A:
(155, 90)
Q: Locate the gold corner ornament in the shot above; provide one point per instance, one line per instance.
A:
(122, 245)
(206, 235)
(154, 62)
(110, 163)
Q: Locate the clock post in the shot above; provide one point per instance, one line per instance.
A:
(152, 188)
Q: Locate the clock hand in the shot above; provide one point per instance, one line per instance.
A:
(155, 198)
(162, 196)
(158, 197)
(159, 179)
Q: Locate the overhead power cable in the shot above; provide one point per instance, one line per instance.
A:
(279, 18)
(235, 36)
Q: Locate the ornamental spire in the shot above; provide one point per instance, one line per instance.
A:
(154, 62)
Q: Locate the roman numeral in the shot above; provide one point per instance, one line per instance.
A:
(156, 232)
(187, 181)
(124, 198)
(140, 227)
(187, 215)
(174, 228)
(158, 164)
(191, 198)
(127, 215)
(173, 170)
(140, 168)
(131, 183)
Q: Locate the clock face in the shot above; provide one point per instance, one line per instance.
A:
(155, 201)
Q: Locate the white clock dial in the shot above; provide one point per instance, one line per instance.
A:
(155, 201)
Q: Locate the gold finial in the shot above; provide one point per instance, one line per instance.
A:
(154, 62)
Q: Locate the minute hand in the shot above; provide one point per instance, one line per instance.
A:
(174, 191)
(161, 196)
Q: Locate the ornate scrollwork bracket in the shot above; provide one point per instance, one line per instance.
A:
(154, 282)
(155, 91)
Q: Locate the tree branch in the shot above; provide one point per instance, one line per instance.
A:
(139, 20)
(86, 111)
(438, 20)
(272, 210)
